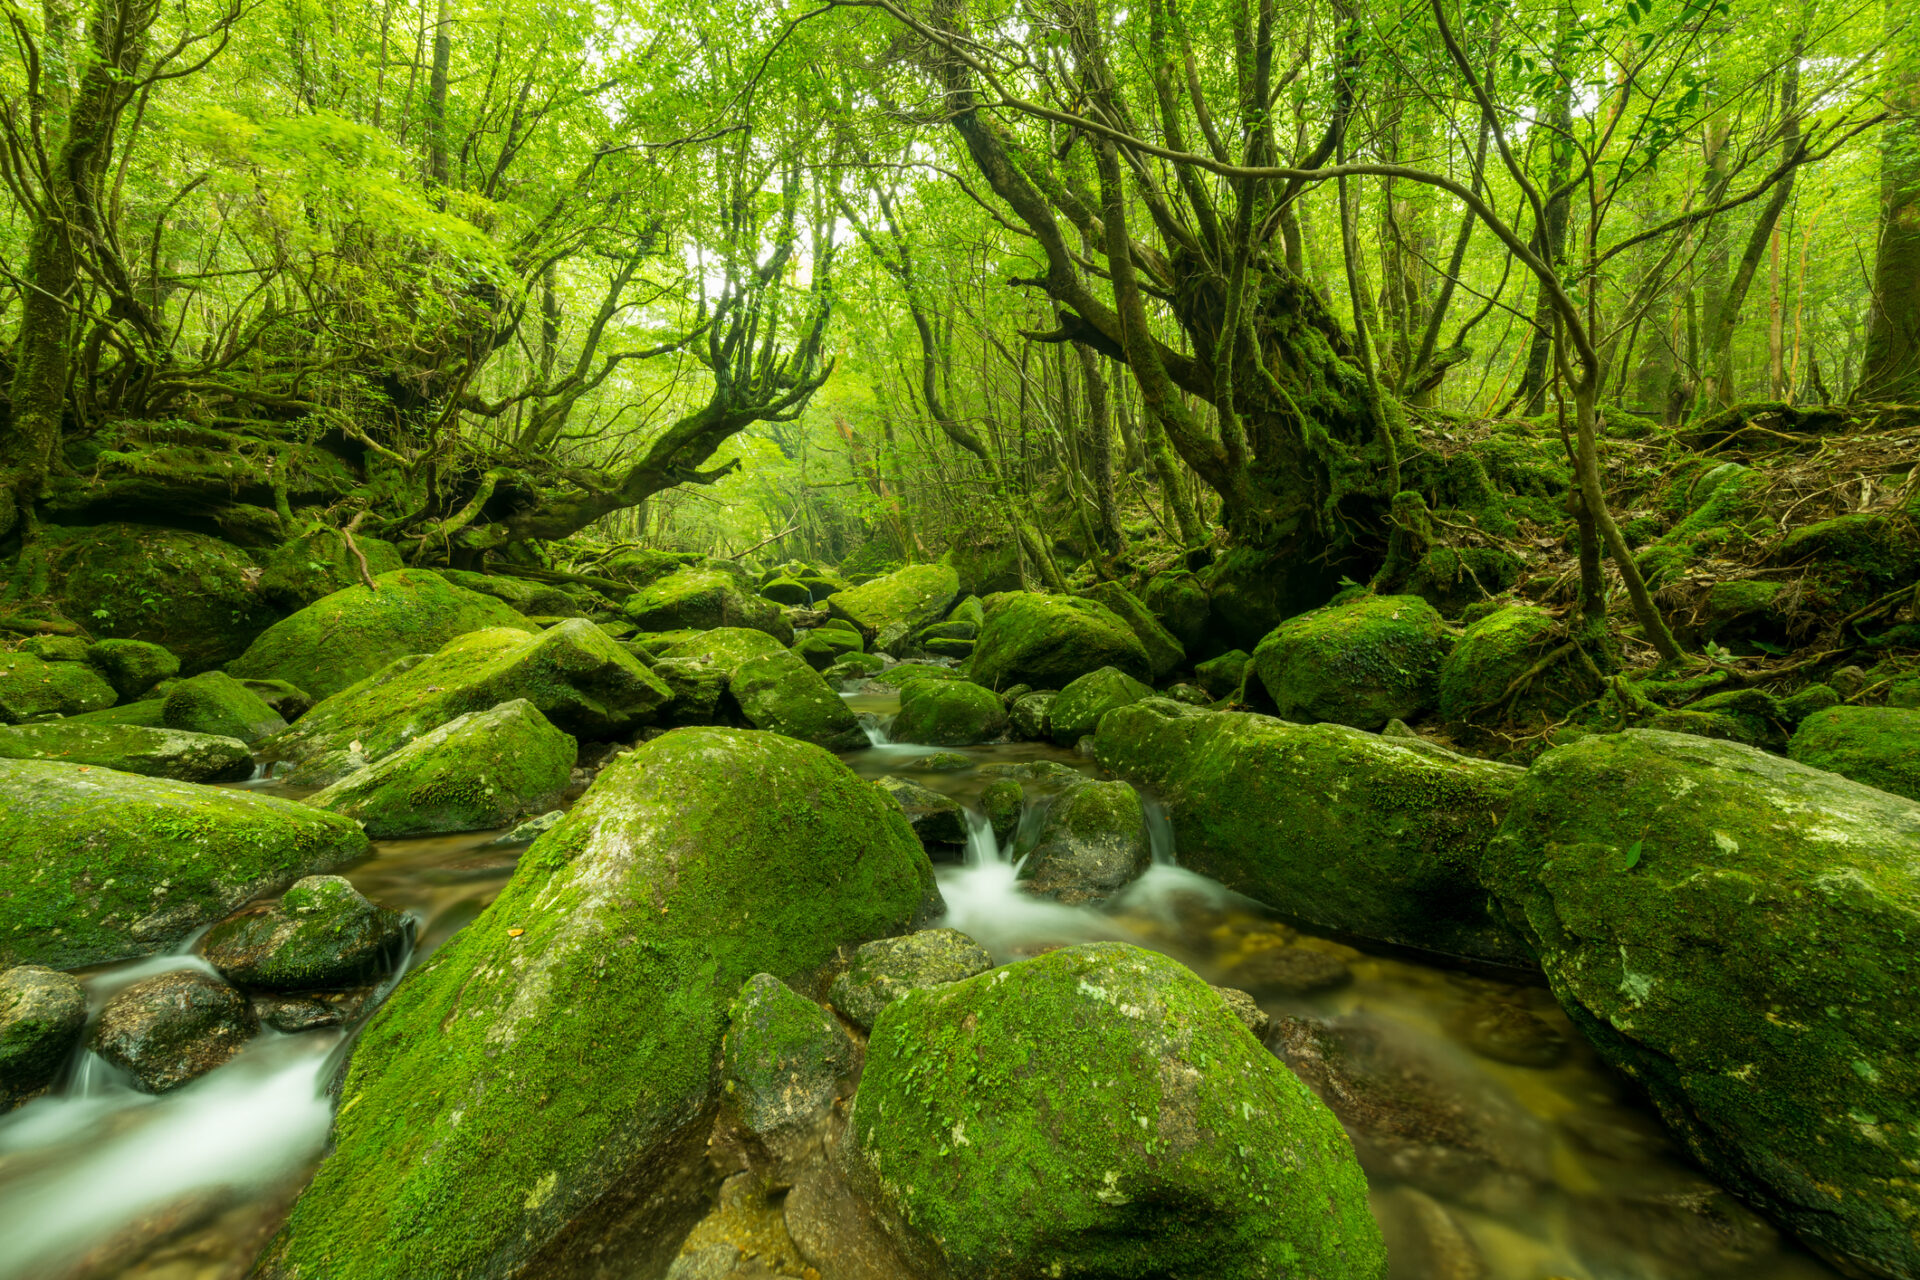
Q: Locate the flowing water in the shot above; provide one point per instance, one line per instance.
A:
(1481, 1169)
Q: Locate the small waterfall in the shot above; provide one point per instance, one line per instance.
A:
(983, 848)
(876, 736)
(1159, 832)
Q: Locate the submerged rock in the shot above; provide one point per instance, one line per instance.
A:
(484, 769)
(1092, 844)
(1046, 641)
(577, 677)
(156, 753)
(1877, 746)
(294, 1012)
(910, 598)
(785, 1058)
(1077, 711)
(948, 713)
(538, 1095)
(1733, 931)
(1291, 970)
(173, 1028)
(884, 971)
(322, 933)
(42, 1013)
(349, 635)
(1348, 832)
(214, 702)
(1505, 1030)
(1360, 664)
(1099, 1112)
(97, 865)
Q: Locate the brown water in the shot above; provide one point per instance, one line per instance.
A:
(1481, 1169)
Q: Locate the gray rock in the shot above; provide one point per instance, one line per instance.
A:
(785, 1057)
(173, 1028)
(308, 1011)
(1093, 843)
(1248, 1010)
(884, 971)
(42, 1013)
(322, 933)
(940, 821)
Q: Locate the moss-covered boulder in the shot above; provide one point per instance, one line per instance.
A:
(1251, 590)
(910, 597)
(785, 1058)
(173, 1028)
(97, 865)
(1479, 676)
(1030, 718)
(31, 687)
(702, 597)
(902, 673)
(1450, 578)
(1004, 802)
(948, 713)
(855, 666)
(585, 683)
(1750, 716)
(480, 770)
(938, 820)
(1046, 641)
(1878, 746)
(1343, 830)
(1077, 711)
(1092, 844)
(347, 636)
(287, 701)
(534, 599)
(1179, 600)
(779, 692)
(1100, 1112)
(42, 1013)
(214, 702)
(1223, 676)
(154, 752)
(822, 648)
(697, 690)
(1359, 664)
(1734, 932)
(539, 1093)
(316, 564)
(321, 933)
(787, 591)
(885, 970)
(132, 666)
(199, 596)
(724, 647)
(1165, 653)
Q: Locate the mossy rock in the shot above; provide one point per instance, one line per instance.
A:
(780, 693)
(697, 688)
(970, 611)
(1179, 600)
(1343, 830)
(939, 821)
(948, 713)
(214, 702)
(1165, 652)
(725, 647)
(347, 636)
(1360, 664)
(99, 865)
(1077, 711)
(911, 597)
(198, 596)
(1750, 716)
(901, 674)
(31, 687)
(42, 1013)
(1852, 560)
(56, 648)
(1876, 746)
(1100, 1112)
(854, 666)
(1091, 845)
(151, 752)
(642, 567)
(1031, 715)
(132, 666)
(321, 933)
(314, 565)
(823, 647)
(1717, 506)
(1499, 649)
(1223, 676)
(1450, 579)
(703, 597)
(984, 568)
(1046, 641)
(788, 591)
(885, 970)
(586, 684)
(948, 647)
(532, 599)
(785, 1058)
(482, 770)
(1733, 932)
(563, 1051)
(1252, 591)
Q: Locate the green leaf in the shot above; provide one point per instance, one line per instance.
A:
(1632, 859)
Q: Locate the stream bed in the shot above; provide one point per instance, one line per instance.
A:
(1497, 1145)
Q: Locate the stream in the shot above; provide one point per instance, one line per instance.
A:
(1480, 1169)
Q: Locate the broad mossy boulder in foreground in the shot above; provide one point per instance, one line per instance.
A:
(556, 1064)
(1046, 641)
(1736, 933)
(97, 865)
(349, 635)
(1343, 830)
(483, 769)
(1100, 1112)
(1360, 664)
(912, 597)
(572, 673)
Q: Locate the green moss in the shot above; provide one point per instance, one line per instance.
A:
(784, 1056)
(1100, 1112)
(1165, 652)
(97, 865)
(1179, 600)
(31, 687)
(1496, 651)
(1047, 640)
(911, 597)
(347, 636)
(885, 970)
(322, 933)
(314, 565)
(703, 597)
(1451, 579)
(1734, 932)
(779, 692)
(151, 751)
(132, 666)
(1376, 837)
(1877, 746)
(565, 1045)
(948, 713)
(1359, 664)
(1223, 675)
(1077, 711)
(903, 673)
(214, 702)
(725, 647)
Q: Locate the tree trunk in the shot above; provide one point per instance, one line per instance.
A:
(1891, 370)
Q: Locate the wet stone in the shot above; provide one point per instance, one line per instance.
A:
(1507, 1031)
(939, 821)
(42, 1013)
(1004, 802)
(1247, 1010)
(308, 1011)
(173, 1028)
(321, 934)
(1290, 970)
(885, 970)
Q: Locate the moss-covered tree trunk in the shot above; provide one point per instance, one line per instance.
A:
(1892, 367)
